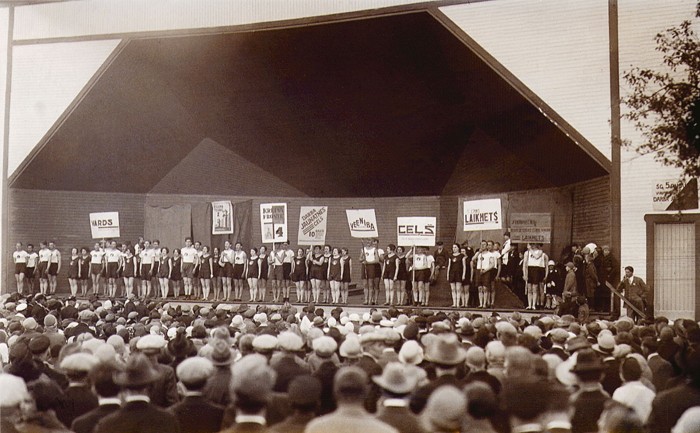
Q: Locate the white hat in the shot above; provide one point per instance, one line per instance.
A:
(290, 341)
(264, 343)
(79, 362)
(151, 343)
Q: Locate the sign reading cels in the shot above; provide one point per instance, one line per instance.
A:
(362, 223)
(104, 225)
(482, 215)
(312, 225)
(273, 222)
(419, 231)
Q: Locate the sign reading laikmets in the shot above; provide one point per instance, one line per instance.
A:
(482, 215)
(362, 223)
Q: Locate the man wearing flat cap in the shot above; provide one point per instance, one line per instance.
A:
(102, 380)
(79, 398)
(304, 396)
(251, 387)
(163, 391)
(397, 384)
(40, 348)
(350, 389)
(286, 363)
(194, 413)
(138, 415)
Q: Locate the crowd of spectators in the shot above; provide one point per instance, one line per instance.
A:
(127, 365)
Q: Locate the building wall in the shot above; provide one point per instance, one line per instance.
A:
(63, 216)
(591, 215)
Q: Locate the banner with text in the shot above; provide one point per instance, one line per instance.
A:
(419, 231)
(273, 222)
(104, 225)
(362, 223)
(531, 227)
(482, 215)
(312, 225)
(221, 217)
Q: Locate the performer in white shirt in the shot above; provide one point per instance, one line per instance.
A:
(20, 258)
(30, 273)
(43, 267)
(97, 267)
(239, 261)
(371, 258)
(226, 264)
(54, 266)
(113, 260)
(146, 257)
(424, 266)
(535, 271)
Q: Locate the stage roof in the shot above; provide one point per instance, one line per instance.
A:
(388, 106)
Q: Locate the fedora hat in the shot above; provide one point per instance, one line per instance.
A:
(587, 360)
(445, 349)
(221, 354)
(411, 353)
(138, 372)
(394, 379)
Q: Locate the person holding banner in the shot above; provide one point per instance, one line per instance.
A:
(252, 273)
(298, 275)
(456, 273)
(334, 275)
(424, 268)
(113, 259)
(226, 263)
(390, 269)
(346, 272)
(146, 257)
(20, 259)
(401, 276)
(206, 272)
(371, 257)
(165, 267)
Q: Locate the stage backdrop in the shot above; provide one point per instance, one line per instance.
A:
(170, 225)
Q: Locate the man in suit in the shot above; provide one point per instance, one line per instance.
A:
(350, 389)
(588, 402)
(107, 396)
(194, 413)
(669, 405)
(559, 337)
(251, 385)
(304, 398)
(372, 349)
(163, 392)
(635, 290)
(397, 383)
(78, 398)
(138, 415)
(661, 370)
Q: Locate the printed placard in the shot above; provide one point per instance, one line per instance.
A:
(273, 222)
(419, 231)
(362, 223)
(221, 217)
(312, 225)
(482, 215)
(104, 225)
(531, 227)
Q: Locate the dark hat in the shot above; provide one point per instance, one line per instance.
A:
(304, 390)
(587, 360)
(577, 343)
(180, 346)
(39, 344)
(138, 372)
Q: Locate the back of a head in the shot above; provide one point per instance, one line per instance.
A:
(495, 352)
(481, 400)
(350, 385)
(46, 394)
(251, 383)
(476, 358)
(618, 418)
(524, 397)
(102, 380)
(518, 361)
(630, 370)
(445, 409)
(14, 390)
(689, 422)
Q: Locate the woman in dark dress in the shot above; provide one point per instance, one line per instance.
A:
(456, 274)
(74, 271)
(206, 272)
(298, 275)
(176, 272)
(216, 273)
(84, 271)
(346, 270)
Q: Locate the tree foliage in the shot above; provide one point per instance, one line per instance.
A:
(664, 105)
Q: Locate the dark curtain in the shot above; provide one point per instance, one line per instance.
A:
(171, 225)
(242, 228)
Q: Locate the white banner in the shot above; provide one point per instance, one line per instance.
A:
(104, 225)
(362, 223)
(273, 222)
(221, 217)
(482, 215)
(419, 231)
(312, 225)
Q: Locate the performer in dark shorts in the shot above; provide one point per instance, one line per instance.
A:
(164, 272)
(113, 258)
(335, 275)
(239, 262)
(147, 258)
(424, 266)
(390, 269)
(30, 273)
(456, 273)
(189, 262)
(156, 263)
(316, 273)
(206, 272)
(534, 273)
(372, 256)
(286, 269)
(346, 268)
(129, 270)
(402, 292)
(298, 275)
(20, 258)
(84, 276)
(96, 267)
(226, 263)
(54, 267)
